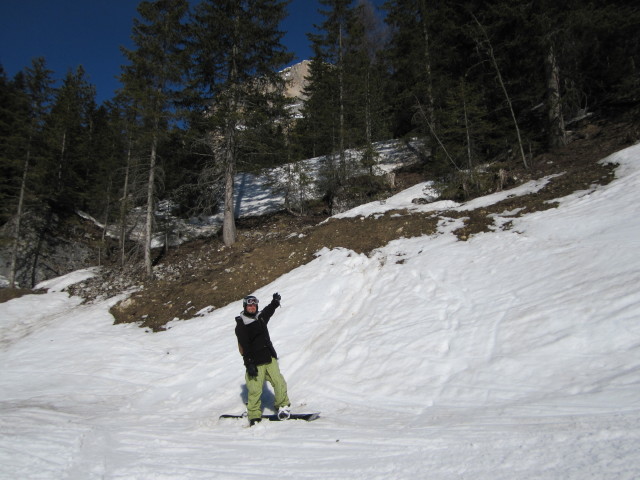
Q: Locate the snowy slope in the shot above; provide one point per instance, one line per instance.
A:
(514, 355)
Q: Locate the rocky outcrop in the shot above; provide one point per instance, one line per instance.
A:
(296, 81)
(50, 246)
(295, 75)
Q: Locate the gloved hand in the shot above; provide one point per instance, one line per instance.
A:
(252, 370)
(277, 298)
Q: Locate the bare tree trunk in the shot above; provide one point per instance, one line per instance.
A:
(423, 115)
(229, 222)
(466, 124)
(431, 110)
(63, 147)
(367, 111)
(123, 205)
(106, 217)
(150, 207)
(16, 235)
(343, 160)
(556, 132)
(513, 114)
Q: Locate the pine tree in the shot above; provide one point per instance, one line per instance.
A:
(237, 52)
(126, 123)
(156, 69)
(28, 104)
(411, 59)
(597, 51)
(316, 130)
(445, 67)
(105, 147)
(364, 80)
(67, 130)
(325, 107)
(13, 139)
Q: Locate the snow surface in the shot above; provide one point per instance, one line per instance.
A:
(514, 355)
(265, 193)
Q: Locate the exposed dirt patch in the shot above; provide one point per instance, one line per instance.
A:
(575, 165)
(216, 275)
(205, 274)
(7, 294)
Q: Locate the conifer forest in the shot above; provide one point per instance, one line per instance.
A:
(201, 98)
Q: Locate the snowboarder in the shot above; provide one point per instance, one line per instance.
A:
(260, 358)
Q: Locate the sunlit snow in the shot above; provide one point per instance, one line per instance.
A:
(513, 355)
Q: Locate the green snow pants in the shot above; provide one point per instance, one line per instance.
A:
(271, 373)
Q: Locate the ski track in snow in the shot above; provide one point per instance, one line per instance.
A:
(513, 355)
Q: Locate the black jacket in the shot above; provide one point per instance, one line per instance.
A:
(253, 339)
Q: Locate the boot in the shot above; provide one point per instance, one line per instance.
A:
(284, 413)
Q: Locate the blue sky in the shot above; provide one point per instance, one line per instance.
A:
(69, 33)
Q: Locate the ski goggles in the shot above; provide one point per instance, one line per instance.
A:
(252, 301)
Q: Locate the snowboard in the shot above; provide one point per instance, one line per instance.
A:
(274, 417)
